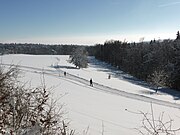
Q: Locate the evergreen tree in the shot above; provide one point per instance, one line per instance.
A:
(178, 35)
(155, 61)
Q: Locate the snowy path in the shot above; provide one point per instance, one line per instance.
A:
(97, 86)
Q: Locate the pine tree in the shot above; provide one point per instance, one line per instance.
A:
(178, 35)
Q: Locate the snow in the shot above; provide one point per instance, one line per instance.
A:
(94, 108)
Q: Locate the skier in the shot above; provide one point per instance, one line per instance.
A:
(64, 73)
(109, 77)
(91, 83)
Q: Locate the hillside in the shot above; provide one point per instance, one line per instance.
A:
(111, 105)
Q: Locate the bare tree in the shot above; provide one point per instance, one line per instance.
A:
(150, 125)
(158, 78)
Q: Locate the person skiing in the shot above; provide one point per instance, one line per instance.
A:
(64, 73)
(91, 82)
(109, 77)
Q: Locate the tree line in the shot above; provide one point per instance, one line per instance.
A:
(39, 49)
(157, 62)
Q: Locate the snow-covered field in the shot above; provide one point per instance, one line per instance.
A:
(111, 106)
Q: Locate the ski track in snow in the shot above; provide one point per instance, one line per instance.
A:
(96, 86)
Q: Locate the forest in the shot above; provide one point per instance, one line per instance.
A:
(157, 62)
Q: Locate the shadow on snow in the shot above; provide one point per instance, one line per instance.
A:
(116, 73)
(67, 67)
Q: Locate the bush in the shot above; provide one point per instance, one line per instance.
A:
(27, 111)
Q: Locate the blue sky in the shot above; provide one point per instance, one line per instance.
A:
(87, 21)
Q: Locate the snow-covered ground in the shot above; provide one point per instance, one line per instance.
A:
(100, 107)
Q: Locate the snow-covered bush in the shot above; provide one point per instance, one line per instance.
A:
(28, 111)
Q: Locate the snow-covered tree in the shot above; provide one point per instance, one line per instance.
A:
(158, 78)
(28, 111)
(79, 57)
